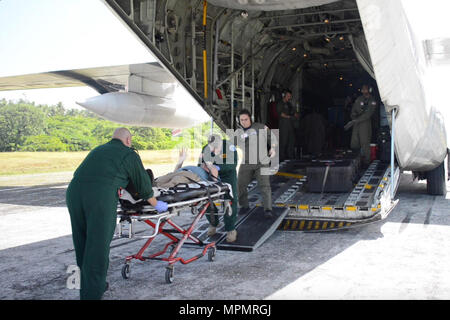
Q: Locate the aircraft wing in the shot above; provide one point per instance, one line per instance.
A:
(142, 94)
(102, 79)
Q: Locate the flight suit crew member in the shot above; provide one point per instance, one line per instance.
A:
(251, 166)
(92, 198)
(361, 115)
(218, 147)
(286, 118)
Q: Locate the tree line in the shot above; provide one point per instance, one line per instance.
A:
(25, 126)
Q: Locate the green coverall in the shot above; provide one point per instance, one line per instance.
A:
(227, 174)
(92, 198)
(361, 114)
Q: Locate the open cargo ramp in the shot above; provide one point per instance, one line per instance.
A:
(253, 229)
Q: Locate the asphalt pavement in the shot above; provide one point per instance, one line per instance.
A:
(402, 257)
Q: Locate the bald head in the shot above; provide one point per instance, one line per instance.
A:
(124, 135)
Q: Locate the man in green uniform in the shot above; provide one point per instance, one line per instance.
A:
(92, 198)
(223, 154)
(251, 138)
(361, 115)
(219, 156)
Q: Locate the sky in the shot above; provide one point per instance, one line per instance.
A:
(48, 35)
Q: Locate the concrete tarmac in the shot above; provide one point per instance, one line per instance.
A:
(403, 257)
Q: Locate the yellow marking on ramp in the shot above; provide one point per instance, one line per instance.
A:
(302, 224)
(290, 175)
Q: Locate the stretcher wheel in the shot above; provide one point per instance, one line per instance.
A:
(126, 271)
(169, 274)
(211, 253)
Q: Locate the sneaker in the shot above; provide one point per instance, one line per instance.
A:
(211, 231)
(243, 210)
(268, 214)
(231, 236)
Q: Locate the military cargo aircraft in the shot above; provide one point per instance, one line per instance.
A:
(227, 55)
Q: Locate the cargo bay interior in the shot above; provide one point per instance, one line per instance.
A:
(232, 57)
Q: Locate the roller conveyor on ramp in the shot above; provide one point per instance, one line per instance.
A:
(298, 209)
(369, 201)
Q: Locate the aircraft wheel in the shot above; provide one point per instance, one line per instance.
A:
(437, 179)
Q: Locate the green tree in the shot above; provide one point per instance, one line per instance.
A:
(43, 143)
(17, 121)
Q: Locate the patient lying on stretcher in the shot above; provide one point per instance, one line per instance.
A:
(183, 189)
(180, 175)
(187, 174)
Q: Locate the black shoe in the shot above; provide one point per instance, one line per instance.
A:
(243, 211)
(268, 214)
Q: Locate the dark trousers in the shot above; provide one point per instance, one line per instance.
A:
(248, 172)
(287, 141)
(229, 220)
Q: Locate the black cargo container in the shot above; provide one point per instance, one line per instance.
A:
(341, 177)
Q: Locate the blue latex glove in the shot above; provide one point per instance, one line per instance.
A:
(217, 167)
(161, 206)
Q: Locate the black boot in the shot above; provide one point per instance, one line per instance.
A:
(268, 214)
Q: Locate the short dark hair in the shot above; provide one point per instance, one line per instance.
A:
(245, 111)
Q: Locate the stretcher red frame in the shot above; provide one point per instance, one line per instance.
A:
(175, 243)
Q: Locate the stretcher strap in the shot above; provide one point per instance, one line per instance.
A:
(211, 203)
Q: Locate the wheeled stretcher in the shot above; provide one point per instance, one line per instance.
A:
(195, 197)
